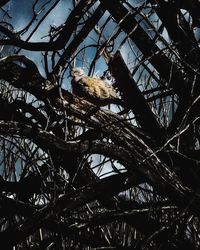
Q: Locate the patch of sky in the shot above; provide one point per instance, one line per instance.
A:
(103, 167)
(22, 14)
(57, 17)
(11, 162)
(197, 33)
(37, 57)
(186, 15)
(151, 23)
(133, 59)
(136, 3)
(189, 19)
(87, 50)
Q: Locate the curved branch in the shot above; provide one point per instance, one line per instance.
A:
(69, 26)
(49, 141)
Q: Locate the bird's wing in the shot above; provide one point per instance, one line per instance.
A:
(98, 88)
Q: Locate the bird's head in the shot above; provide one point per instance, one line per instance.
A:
(77, 73)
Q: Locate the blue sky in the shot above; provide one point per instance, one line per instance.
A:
(21, 12)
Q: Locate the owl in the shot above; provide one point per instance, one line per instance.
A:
(92, 89)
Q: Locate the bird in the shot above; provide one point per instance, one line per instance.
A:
(93, 89)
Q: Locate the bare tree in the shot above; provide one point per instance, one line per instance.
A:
(78, 176)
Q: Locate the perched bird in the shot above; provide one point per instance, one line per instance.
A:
(92, 89)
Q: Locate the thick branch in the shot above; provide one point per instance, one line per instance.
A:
(49, 141)
(133, 97)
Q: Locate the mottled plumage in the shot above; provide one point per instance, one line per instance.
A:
(92, 89)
